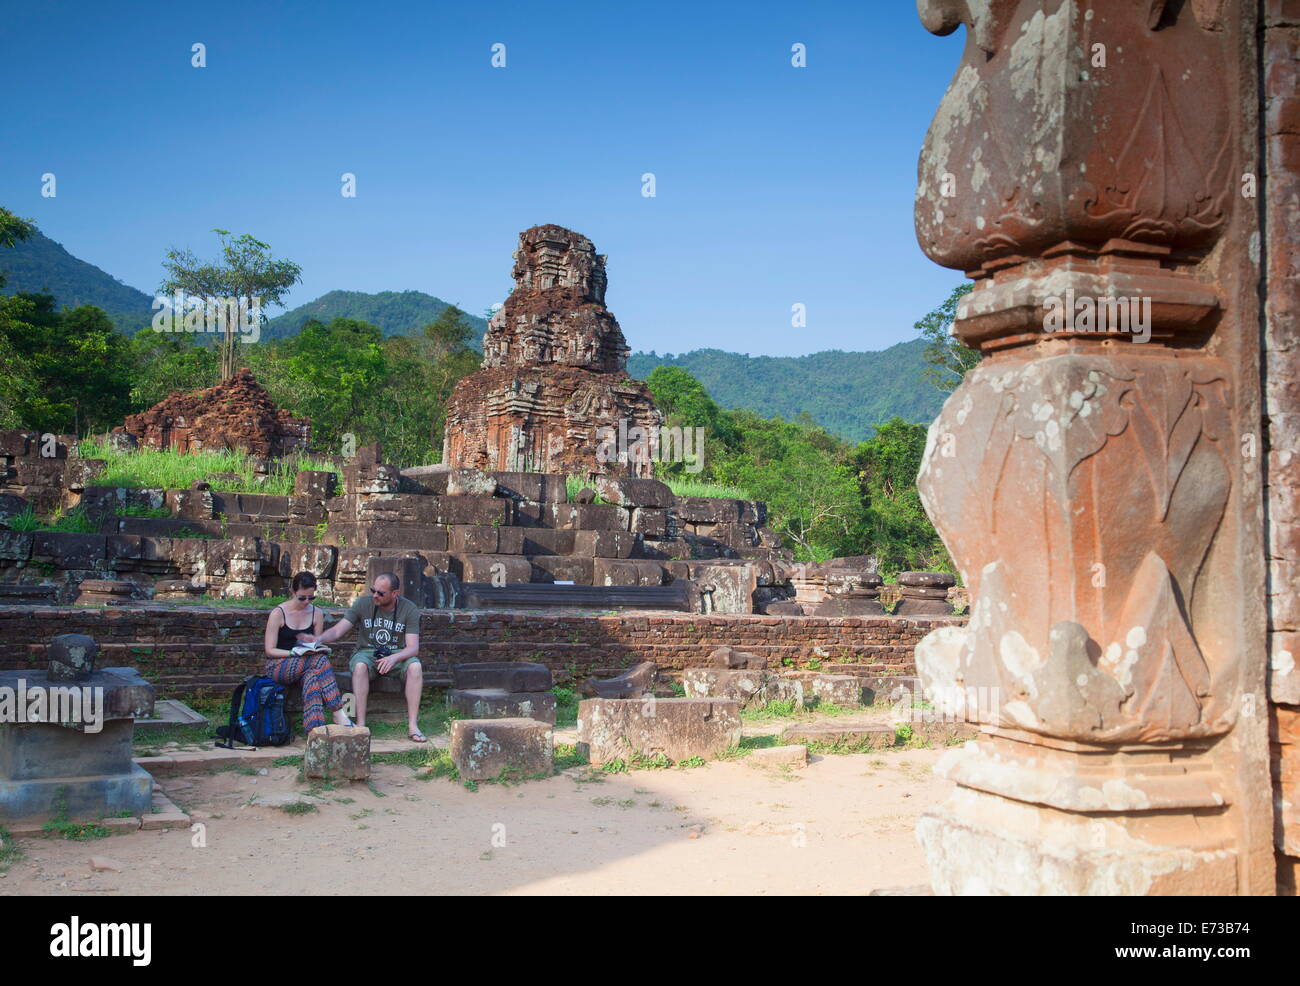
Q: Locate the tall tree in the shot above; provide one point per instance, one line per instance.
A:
(444, 345)
(13, 229)
(72, 369)
(246, 270)
(948, 358)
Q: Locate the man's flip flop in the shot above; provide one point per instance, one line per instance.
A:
(417, 737)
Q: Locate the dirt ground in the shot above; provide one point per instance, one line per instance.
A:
(842, 825)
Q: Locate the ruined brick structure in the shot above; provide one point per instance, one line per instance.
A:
(554, 374)
(236, 414)
(1281, 256)
(197, 647)
(1102, 490)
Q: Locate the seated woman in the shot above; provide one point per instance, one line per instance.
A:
(288, 621)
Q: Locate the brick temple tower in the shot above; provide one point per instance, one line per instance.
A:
(554, 387)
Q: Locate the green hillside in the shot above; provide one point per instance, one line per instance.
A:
(41, 266)
(846, 393)
(392, 312)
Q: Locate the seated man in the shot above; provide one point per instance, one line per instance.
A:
(386, 622)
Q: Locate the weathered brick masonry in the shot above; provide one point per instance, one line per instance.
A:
(1281, 126)
(197, 647)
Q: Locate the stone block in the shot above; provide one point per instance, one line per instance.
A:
(726, 588)
(650, 522)
(69, 551)
(494, 569)
(497, 703)
(678, 728)
(470, 509)
(15, 546)
(563, 568)
(509, 676)
(470, 482)
(707, 510)
(473, 539)
(727, 656)
(634, 492)
(72, 657)
(842, 690)
(612, 572)
(849, 737)
(429, 480)
(487, 749)
(850, 605)
(14, 442)
(536, 487)
(635, 682)
(588, 517)
(316, 484)
(927, 580)
(337, 753)
(794, 756)
(546, 541)
(39, 472)
(749, 688)
(604, 544)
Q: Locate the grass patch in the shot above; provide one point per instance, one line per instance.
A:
(151, 469)
(567, 756)
(60, 827)
(566, 706)
(298, 808)
(781, 709)
(74, 521)
(693, 487)
(10, 851)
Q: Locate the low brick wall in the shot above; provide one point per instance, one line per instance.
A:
(185, 648)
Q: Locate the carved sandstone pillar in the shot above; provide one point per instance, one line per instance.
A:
(1097, 476)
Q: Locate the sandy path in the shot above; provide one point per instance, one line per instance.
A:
(842, 825)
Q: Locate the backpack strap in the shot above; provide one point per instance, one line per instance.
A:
(236, 705)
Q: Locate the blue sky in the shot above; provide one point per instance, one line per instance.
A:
(775, 185)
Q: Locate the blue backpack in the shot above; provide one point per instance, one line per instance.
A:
(257, 715)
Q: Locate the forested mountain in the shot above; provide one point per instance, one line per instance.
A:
(393, 312)
(40, 266)
(846, 393)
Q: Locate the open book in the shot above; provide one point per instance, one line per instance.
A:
(309, 650)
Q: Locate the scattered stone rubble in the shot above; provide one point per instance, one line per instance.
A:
(502, 690)
(676, 728)
(235, 414)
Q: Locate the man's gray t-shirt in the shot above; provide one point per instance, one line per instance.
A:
(383, 628)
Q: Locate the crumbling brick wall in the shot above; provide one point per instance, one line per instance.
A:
(195, 647)
(1281, 256)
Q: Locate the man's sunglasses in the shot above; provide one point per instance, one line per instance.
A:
(379, 592)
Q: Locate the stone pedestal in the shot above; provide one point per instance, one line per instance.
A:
(492, 749)
(69, 750)
(337, 753)
(497, 703)
(1097, 475)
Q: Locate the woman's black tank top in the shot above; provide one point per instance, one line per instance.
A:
(288, 637)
